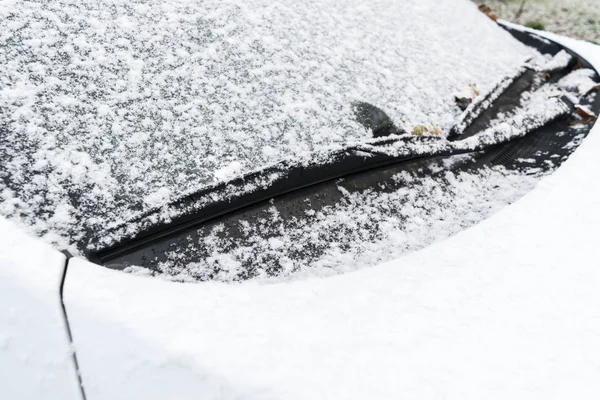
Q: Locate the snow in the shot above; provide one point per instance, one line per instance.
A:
(505, 309)
(119, 106)
(558, 62)
(35, 353)
(580, 80)
(483, 101)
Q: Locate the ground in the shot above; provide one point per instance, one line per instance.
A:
(575, 18)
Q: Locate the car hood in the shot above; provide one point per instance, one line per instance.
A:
(506, 308)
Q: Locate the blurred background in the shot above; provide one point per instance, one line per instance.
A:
(575, 18)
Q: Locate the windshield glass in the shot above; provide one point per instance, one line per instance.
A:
(110, 108)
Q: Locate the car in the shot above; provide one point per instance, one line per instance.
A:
(264, 200)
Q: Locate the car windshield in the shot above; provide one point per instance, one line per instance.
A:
(111, 108)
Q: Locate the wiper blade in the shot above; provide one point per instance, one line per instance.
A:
(516, 84)
(212, 202)
(505, 97)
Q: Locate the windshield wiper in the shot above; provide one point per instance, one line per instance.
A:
(473, 132)
(514, 142)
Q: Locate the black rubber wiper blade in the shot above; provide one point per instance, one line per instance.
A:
(209, 203)
(512, 85)
(505, 97)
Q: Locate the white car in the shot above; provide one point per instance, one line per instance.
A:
(319, 200)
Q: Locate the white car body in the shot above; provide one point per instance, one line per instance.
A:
(508, 308)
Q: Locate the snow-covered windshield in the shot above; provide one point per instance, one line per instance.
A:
(112, 107)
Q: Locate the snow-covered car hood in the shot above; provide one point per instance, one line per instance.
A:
(505, 309)
(116, 107)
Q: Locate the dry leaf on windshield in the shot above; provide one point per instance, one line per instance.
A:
(488, 11)
(585, 114)
(465, 96)
(593, 88)
(545, 75)
(419, 130)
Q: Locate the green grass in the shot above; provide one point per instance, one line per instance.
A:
(535, 24)
(575, 18)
